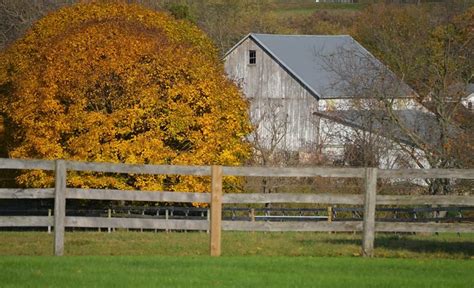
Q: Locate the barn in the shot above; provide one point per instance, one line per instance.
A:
(295, 84)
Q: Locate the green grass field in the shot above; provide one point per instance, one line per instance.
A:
(307, 7)
(251, 271)
(126, 259)
(239, 244)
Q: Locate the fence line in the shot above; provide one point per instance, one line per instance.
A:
(369, 199)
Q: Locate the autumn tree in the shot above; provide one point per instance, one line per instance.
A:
(120, 83)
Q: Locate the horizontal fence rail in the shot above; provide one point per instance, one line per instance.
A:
(237, 171)
(134, 223)
(294, 172)
(30, 193)
(346, 226)
(139, 169)
(26, 164)
(235, 198)
(26, 221)
(426, 173)
(133, 195)
(292, 198)
(203, 225)
(424, 227)
(214, 224)
(454, 200)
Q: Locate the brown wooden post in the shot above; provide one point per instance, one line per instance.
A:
(59, 207)
(216, 210)
(369, 212)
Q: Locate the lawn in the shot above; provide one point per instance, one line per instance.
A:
(123, 243)
(253, 259)
(238, 271)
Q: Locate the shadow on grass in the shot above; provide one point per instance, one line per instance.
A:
(465, 247)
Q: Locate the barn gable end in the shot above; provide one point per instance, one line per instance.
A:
(281, 107)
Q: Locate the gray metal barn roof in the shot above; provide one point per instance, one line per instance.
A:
(470, 88)
(329, 66)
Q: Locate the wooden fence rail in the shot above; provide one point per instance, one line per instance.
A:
(235, 198)
(369, 199)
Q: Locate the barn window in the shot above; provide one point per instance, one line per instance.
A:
(252, 56)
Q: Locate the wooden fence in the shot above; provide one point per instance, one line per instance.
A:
(369, 199)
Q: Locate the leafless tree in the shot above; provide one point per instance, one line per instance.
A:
(16, 16)
(269, 139)
(424, 131)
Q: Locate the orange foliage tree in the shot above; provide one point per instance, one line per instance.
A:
(120, 83)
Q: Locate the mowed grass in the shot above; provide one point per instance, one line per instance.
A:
(250, 271)
(239, 244)
(250, 259)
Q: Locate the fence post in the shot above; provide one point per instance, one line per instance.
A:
(49, 219)
(208, 216)
(59, 206)
(157, 216)
(143, 214)
(166, 220)
(109, 215)
(329, 217)
(369, 212)
(216, 210)
(330, 214)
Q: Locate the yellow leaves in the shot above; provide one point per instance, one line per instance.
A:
(118, 83)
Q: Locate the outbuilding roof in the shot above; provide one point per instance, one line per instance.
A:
(328, 66)
(420, 123)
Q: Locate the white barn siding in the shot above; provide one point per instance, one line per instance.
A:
(348, 104)
(275, 96)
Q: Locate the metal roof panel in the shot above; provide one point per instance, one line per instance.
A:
(329, 66)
